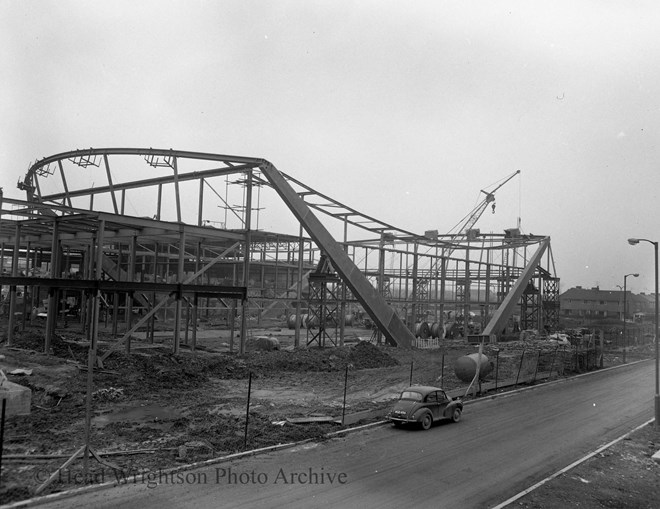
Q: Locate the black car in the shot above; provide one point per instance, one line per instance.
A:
(424, 405)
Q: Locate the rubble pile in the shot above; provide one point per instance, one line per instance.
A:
(363, 355)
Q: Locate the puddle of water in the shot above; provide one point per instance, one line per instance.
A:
(138, 414)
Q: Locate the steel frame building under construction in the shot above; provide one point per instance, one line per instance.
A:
(183, 242)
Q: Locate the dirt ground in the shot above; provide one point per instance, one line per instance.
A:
(155, 410)
(622, 476)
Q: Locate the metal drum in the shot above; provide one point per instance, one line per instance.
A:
(437, 330)
(291, 321)
(310, 321)
(422, 330)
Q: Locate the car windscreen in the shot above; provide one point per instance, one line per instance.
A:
(415, 396)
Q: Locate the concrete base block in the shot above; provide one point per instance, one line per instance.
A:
(656, 457)
(18, 398)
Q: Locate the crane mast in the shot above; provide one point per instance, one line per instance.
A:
(464, 226)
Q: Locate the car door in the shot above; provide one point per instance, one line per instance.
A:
(433, 405)
(443, 401)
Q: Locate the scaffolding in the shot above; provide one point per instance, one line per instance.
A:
(325, 290)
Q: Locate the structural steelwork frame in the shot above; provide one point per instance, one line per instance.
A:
(440, 278)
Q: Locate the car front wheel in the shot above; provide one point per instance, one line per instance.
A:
(427, 421)
(456, 415)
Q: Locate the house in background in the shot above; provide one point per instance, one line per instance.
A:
(642, 308)
(594, 303)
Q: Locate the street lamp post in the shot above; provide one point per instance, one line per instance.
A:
(656, 423)
(625, 338)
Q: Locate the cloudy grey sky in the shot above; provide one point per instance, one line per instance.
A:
(403, 110)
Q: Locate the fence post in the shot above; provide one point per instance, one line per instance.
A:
(2, 432)
(442, 371)
(554, 357)
(522, 356)
(536, 370)
(411, 371)
(343, 409)
(586, 358)
(247, 411)
(497, 366)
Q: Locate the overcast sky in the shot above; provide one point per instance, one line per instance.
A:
(403, 110)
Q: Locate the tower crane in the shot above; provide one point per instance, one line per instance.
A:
(466, 224)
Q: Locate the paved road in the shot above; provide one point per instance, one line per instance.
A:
(500, 447)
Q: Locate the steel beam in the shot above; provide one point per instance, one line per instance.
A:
(226, 291)
(113, 270)
(110, 186)
(177, 197)
(144, 152)
(135, 184)
(66, 198)
(146, 226)
(178, 291)
(501, 316)
(382, 314)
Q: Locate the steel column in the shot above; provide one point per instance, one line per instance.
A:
(130, 273)
(51, 318)
(12, 288)
(299, 285)
(176, 189)
(98, 274)
(179, 297)
(246, 261)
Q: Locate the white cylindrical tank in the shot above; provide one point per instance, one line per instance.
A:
(466, 367)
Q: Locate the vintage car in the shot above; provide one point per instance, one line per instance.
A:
(424, 405)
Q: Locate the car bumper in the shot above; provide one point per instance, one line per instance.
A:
(399, 420)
